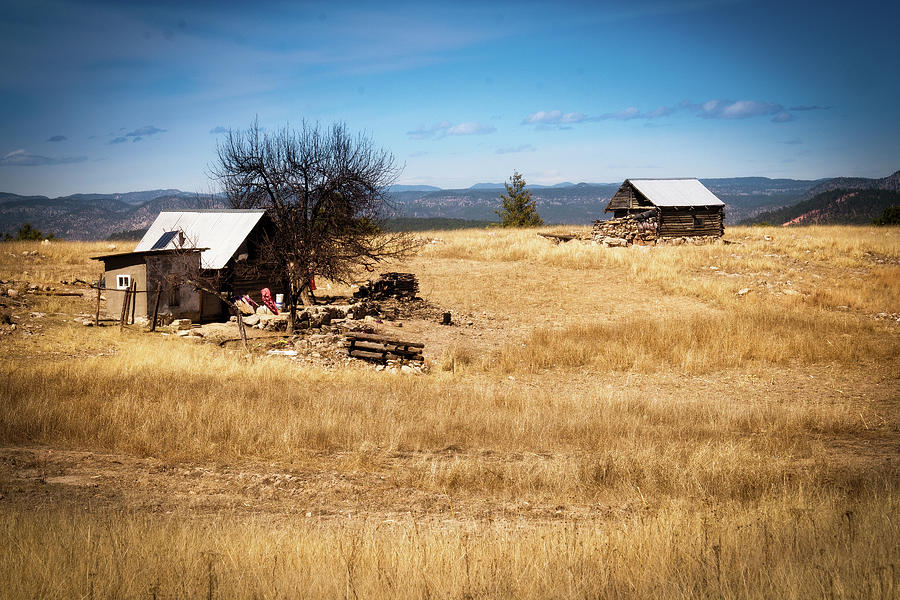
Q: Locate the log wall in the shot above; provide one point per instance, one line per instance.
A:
(691, 222)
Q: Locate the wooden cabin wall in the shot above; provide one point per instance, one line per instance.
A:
(681, 222)
(621, 200)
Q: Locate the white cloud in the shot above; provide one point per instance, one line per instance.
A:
(553, 117)
(516, 149)
(445, 128)
(740, 109)
(145, 130)
(23, 158)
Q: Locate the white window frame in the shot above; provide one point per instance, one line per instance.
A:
(123, 282)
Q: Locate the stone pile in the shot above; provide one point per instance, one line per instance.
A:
(624, 231)
(313, 317)
(695, 240)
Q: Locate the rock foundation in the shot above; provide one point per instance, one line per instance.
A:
(624, 231)
(641, 229)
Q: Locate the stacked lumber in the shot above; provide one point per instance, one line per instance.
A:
(381, 348)
(391, 285)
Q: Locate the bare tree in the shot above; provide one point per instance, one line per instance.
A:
(326, 192)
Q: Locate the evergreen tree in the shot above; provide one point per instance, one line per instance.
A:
(518, 209)
(890, 216)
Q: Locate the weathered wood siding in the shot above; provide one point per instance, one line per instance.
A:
(627, 200)
(678, 222)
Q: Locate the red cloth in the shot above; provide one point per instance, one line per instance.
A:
(267, 300)
(312, 283)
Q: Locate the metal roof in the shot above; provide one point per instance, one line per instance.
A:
(675, 192)
(221, 232)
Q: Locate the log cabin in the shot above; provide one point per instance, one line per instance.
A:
(684, 207)
(220, 248)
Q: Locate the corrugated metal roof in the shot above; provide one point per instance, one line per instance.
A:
(676, 192)
(221, 232)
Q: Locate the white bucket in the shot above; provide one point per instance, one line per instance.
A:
(279, 301)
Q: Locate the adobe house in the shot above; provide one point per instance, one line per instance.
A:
(149, 270)
(221, 248)
(669, 208)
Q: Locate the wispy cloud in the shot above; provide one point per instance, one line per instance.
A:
(793, 142)
(218, 129)
(57, 138)
(711, 109)
(23, 158)
(118, 140)
(516, 149)
(804, 107)
(445, 128)
(137, 139)
(145, 130)
(740, 109)
(553, 117)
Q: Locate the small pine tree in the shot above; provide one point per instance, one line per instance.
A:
(890, 216)
(28, 232)
(518, 209)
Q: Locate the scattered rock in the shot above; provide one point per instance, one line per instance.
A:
(183, 333)
(12, 292)
(251, 320)
(743, 291)
(181, 324)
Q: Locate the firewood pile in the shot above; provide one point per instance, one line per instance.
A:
(381, 348)
(640, 228)
(390, 285)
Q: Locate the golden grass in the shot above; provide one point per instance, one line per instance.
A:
(705, 342)
(807, 547)
(713, 444)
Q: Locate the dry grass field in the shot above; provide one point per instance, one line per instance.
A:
(715, 421)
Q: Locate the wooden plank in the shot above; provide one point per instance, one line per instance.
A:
(378, 355)
(376, 347)
(371, 337)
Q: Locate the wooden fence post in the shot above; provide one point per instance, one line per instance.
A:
(97, 316)
(155, 309)
(124, 308)
(133, 299)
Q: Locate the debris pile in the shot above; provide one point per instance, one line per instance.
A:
(390, 285)
(640, 228)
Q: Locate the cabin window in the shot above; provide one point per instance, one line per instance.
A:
(123, 282)
(698, 222)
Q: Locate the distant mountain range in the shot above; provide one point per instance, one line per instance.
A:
(842, 200)
(747, 199)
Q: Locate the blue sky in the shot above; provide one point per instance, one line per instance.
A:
(121, 96)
